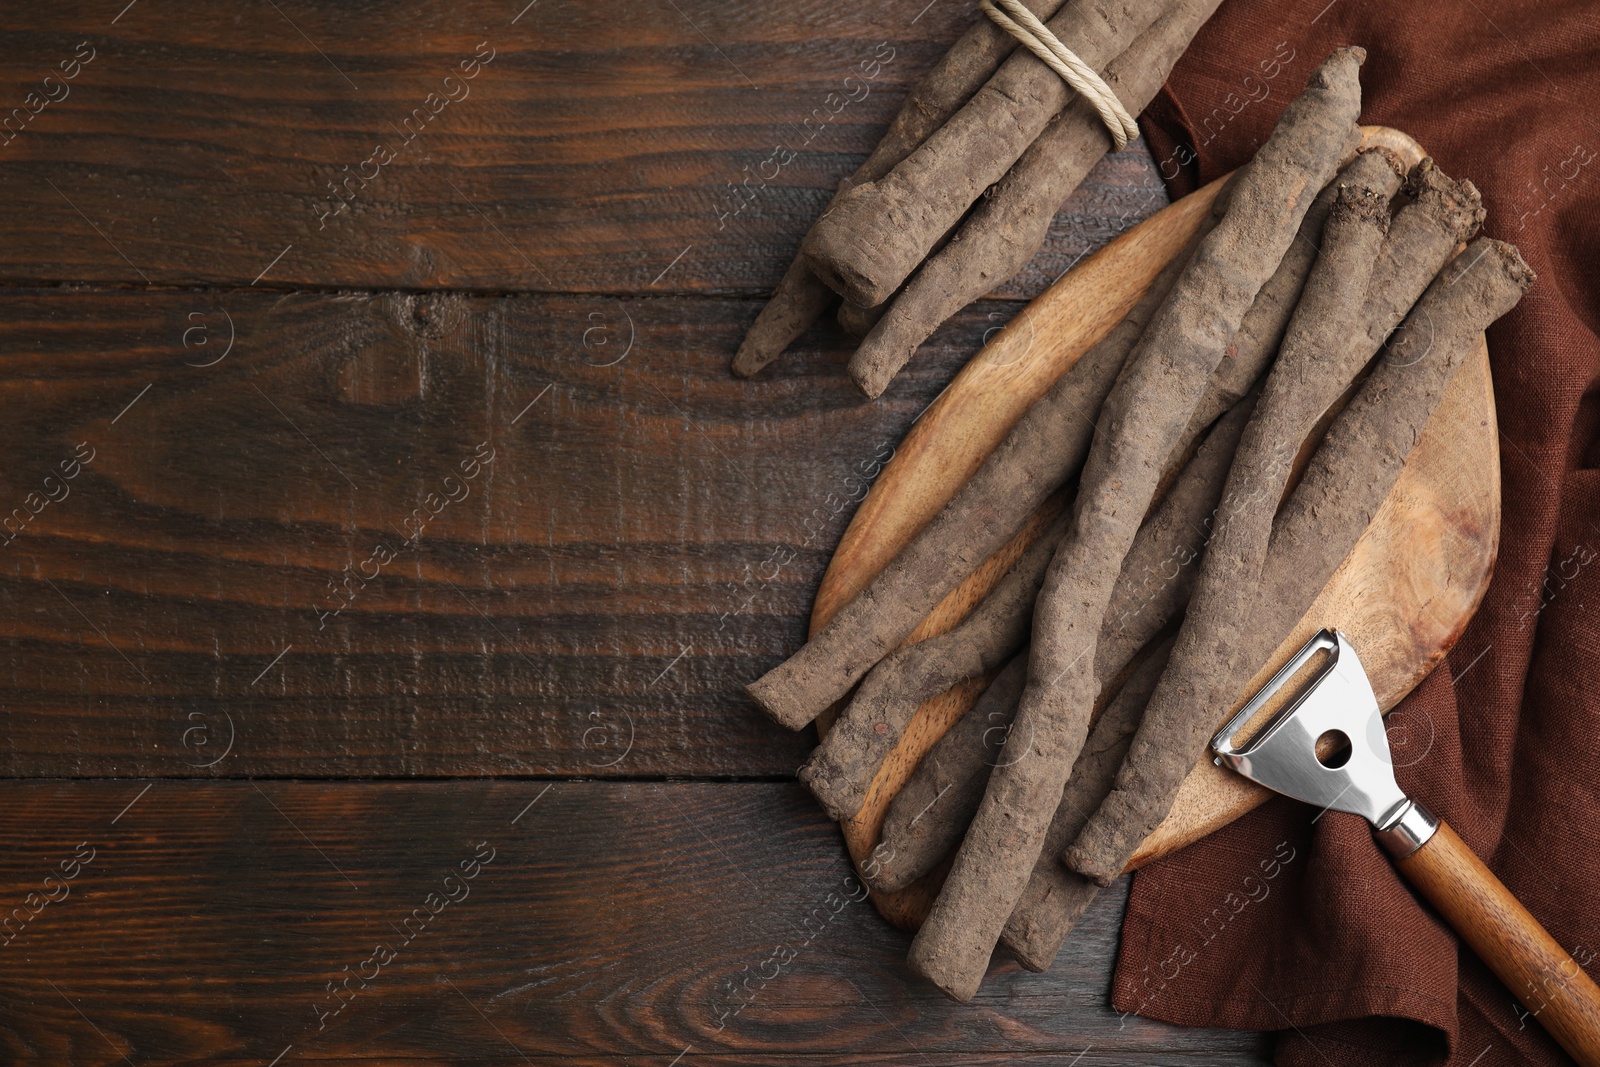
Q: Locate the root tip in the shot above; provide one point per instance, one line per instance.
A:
(832, 790)
(1091, 865)
(1028, 955)
(953, 983)
(867, 380)
(780, 711)
(1515, 266)
(754, 356)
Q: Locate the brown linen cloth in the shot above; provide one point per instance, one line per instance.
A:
(1276, 923)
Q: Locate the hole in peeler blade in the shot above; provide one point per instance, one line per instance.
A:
(1333, 749)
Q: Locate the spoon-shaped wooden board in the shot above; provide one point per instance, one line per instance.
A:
(1403, 594)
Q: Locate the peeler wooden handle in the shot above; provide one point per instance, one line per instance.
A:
(1356, 774)
(1482, 911)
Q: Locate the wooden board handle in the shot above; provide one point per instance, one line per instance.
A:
(1485, 915)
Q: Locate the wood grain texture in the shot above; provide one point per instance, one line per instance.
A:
(664, 147)
(212, 916)
(645, 540)
(1430, 549)
(1524, 956)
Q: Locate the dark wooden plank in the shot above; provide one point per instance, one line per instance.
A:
(651, 533)
(591, 607)
(646, 538)
(615, 920)
(645, 541)
(601, 149)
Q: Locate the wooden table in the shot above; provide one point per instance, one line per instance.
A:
(386, 543)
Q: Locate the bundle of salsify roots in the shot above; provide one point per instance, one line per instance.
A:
(1182, 552)
(989, 125)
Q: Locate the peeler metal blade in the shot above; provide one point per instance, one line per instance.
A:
(1337, 709)
(1356, 775)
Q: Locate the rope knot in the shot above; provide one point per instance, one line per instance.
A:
(1037, 38)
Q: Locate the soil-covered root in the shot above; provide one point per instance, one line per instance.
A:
(1042, 451)
(797, 302)
(1009, 224)
(1356, 294)
(1056, 896)
(842, 767)
(1352, 471)
(1423, 236)
(927, 817)
(1143, 419)
(801, 298)
(1345, 483)
(858, 321)
(1256, 343)
(1159, 572)
(875, 234)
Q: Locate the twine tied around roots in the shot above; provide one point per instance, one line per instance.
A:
(1037, 38)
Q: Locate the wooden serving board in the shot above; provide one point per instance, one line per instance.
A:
(1403, 595)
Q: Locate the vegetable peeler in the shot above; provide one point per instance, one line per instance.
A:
(1327, 746)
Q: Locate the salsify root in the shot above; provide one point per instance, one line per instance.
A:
(844, 764)
(1056, 896)
(1256, 343)
(842, 768)
(1359, 461)
(1041, 452)
(927, 817)
(1345, 483)
(1144, 417)
(1051, 439)
(801, 298)
(1357, 292)
(1160, 568)
(874, 234)
(1424, 235)
(858, 321)
(1009, 224)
